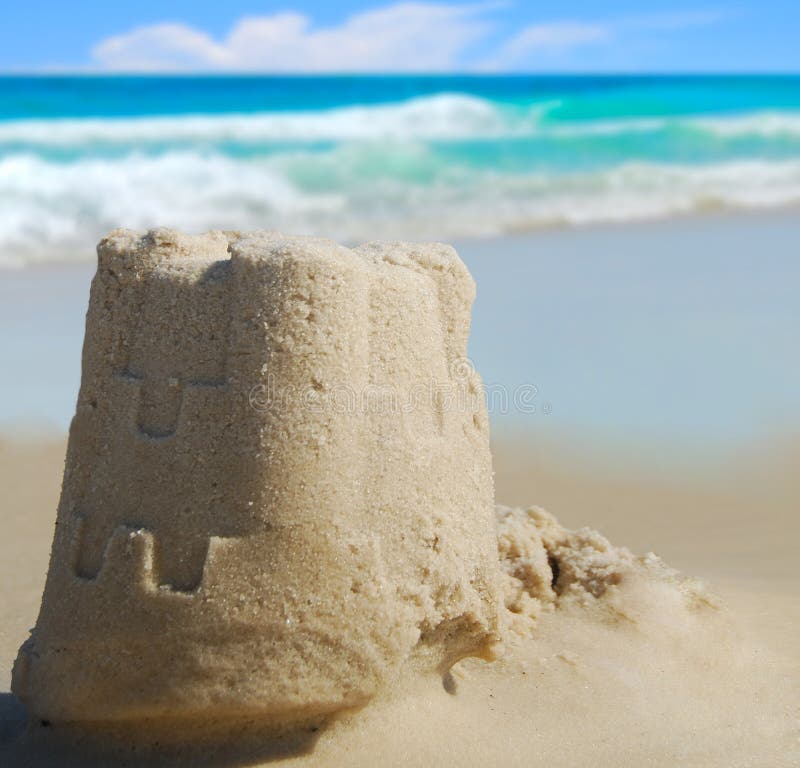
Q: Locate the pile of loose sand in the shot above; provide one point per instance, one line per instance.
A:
(547, 567)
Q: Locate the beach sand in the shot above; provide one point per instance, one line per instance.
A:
(722, 690)
(643, 679)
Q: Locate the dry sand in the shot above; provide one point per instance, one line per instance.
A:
(645, 676)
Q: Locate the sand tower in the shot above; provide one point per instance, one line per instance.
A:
(278, 488)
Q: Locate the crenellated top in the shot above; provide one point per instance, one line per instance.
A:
(265, 261)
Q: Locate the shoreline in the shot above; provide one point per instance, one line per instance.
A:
(665, 341)
(712, 214)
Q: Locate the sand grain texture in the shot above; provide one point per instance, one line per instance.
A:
(719, 687)
(267, 509)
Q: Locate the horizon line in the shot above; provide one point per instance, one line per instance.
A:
(43, 73)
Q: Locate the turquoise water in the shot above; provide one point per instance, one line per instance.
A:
(363, 157)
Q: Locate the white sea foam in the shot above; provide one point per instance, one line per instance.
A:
(767, 124)
(52, 210)
(756, 124)
(441, 117)
(444, 116)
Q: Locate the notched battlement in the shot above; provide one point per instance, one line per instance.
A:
(160, 401)
(127, 253)
(212, 255)
(130, 557)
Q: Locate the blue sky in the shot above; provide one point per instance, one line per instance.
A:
(246, 35)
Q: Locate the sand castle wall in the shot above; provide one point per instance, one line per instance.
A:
(278, 487)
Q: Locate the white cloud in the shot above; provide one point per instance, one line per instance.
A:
(555, 41)
(402, 37)
(160, 46)
(405, 37)
(668, 21)
(555, 37)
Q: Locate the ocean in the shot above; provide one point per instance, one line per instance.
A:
(359, 157)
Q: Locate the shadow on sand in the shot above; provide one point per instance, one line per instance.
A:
(38, 744)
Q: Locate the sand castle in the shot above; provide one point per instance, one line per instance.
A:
(278, 487)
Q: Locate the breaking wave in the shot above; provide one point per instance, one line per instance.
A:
(440, 166)
(60, 210)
